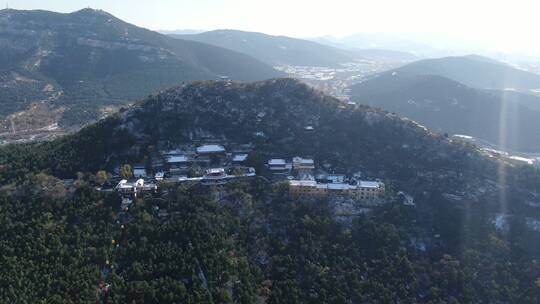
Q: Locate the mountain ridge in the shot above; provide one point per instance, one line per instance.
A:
(448, 106)
(274, 50)
(475, 71)
(86, 61)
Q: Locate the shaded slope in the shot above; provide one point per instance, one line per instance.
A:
(474, 71)
(507, 120)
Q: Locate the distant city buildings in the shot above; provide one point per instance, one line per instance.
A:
(336, 81)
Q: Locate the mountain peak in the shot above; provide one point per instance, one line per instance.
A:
(100, 61)
(91, 11)
(483, 59)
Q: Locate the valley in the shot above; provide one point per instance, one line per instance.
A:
(337, 81)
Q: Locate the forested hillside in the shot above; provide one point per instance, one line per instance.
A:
(471, 236)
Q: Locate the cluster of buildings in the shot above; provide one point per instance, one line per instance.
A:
(213, 164)
(180, 162)
(298, 165)
(304, 182)
(207, 164)
(130, 189)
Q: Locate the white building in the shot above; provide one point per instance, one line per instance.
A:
(300, 163)
(214, 176)
(129, 187)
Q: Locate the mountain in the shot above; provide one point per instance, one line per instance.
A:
(474, 71)
(381, 55)
(274, 50)
(506, 119)
(415, 44)
(84, 64)
(368, 52)
(472, 235)
(181, 32)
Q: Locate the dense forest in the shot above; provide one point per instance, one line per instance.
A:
(77, 247)
(64, 241)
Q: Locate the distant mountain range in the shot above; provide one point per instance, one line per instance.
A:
(282, 50)
(368, 51)
(274, 50)
(382, 55)
(474, 71)
(79, 64)
(181, 32)
(406, 43)
(421, 92)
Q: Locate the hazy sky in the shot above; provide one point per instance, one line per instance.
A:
(504, 25)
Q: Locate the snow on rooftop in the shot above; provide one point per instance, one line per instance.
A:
(522, 159)
(173, 152)
(303, 183)
(333, 186)
(240, 157)
(210, 149)
(216, 171)
(336, 178)
(464, 136)
(303, 161)
(367, 184)
(277, 162)
(177, 159)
